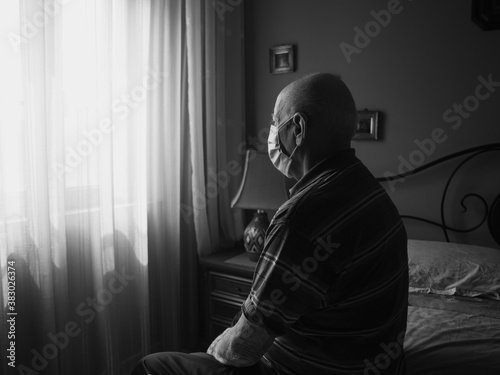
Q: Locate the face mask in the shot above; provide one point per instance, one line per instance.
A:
(280, 161)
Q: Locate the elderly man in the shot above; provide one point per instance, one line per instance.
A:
(330, 291)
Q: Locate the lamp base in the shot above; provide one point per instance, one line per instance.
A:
(255, 235)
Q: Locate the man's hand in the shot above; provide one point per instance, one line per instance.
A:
(241, 345)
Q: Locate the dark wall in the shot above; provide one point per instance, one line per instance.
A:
(416, 69)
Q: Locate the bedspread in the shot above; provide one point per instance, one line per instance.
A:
(440, 342)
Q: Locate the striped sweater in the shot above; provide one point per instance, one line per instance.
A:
(332, 282)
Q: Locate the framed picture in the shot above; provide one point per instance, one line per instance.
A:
(282, 59)
(367, 126)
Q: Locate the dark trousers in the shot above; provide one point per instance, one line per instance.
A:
(175, 363)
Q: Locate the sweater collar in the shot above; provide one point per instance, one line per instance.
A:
(336, 162)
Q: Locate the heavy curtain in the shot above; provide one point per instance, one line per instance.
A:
(108, 138)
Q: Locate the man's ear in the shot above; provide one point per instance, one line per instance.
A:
(299, 122)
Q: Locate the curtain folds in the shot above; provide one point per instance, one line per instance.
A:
(214, 177)
(112, 162)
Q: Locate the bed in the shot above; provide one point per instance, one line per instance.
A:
(454, 309)
(454, 295)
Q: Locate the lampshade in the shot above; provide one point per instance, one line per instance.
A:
(262, 186)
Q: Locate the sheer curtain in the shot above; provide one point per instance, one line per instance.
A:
(190, 213)
(104, 157)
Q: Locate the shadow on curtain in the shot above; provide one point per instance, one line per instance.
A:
(103, 146)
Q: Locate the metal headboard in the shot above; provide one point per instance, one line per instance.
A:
(491, 211)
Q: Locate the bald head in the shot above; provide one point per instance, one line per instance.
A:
(328, 105)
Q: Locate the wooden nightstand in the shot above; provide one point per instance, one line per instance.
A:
(226, 282)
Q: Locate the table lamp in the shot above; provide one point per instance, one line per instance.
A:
(262, 188)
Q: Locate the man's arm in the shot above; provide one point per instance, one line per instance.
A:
(241, 345)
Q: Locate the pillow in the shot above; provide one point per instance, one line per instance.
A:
(454, 269)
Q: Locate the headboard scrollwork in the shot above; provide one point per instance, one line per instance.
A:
(491, 211)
